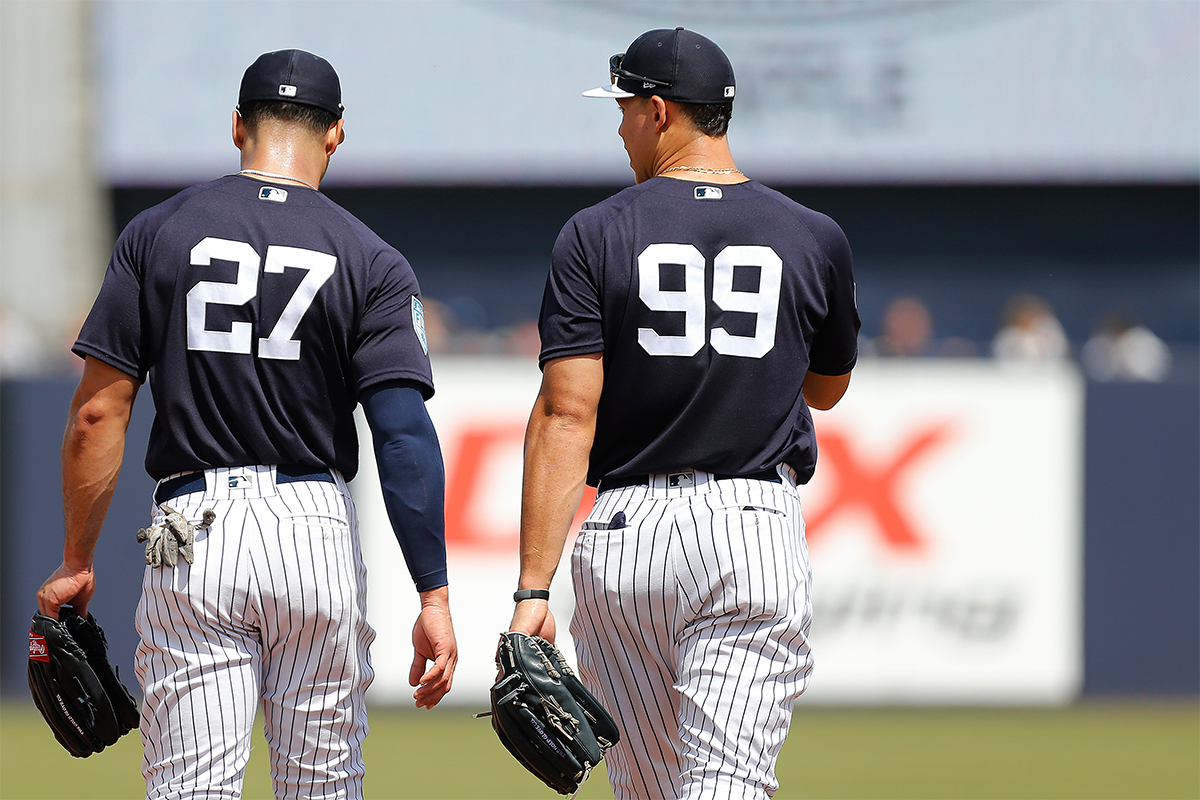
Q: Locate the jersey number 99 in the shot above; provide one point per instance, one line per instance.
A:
(764, 303)
(278, 344)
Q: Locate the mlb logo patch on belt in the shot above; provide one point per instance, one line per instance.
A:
(681, 480)
(241, 481)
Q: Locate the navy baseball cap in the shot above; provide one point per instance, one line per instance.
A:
(677, 64)
(295, 77)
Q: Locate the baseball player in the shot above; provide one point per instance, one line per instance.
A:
(262, 314)
(688, 324)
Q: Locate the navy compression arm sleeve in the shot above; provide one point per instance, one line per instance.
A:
(412, 477)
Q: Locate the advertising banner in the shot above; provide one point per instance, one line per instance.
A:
(944, 525)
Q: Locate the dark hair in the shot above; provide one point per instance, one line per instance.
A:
(711, 119)
(316, 120)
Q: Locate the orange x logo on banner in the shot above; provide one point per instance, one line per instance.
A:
(477, 448)
(872, 486)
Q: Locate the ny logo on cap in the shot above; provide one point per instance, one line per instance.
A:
(286, 90)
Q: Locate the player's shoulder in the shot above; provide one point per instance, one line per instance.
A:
(359, 230)
(824, 229)
(156, 215)
(589, 226)
(809, 216)
(607, 209)
(145, 229)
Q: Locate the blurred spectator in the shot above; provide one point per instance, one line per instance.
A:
(1123, 350)
(908, 333)
(459, 327)
(437, 325)
(524, 339)
(21, 352)
(1031, 332)
(907, 330)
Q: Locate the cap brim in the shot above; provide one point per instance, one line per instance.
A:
(611, 91)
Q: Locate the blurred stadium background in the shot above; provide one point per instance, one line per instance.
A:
(1007, 515)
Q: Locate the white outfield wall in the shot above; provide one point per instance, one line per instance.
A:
(945, 526)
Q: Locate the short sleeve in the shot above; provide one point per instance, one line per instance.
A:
(391, 342)
(835, 344)
(114, 331)
(570, 319)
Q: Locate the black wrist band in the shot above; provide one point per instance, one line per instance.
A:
(531, 594)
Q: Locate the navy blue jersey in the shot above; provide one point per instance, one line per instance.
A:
(258, 312)
(709, 303)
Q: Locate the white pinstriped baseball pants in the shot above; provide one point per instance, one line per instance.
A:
(692, 623)
(274, 606)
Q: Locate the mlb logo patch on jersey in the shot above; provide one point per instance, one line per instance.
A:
(418, 312)
(708, 193)
(272, 193)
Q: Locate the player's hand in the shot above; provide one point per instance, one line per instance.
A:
(67, 586)
(535, 618)
(433, 641)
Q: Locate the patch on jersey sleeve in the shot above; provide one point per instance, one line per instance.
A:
(418, 312)
(708, 193)
(273, 193)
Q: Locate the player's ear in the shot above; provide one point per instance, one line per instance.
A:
(334, 136)
(239, 130)
(659, 115)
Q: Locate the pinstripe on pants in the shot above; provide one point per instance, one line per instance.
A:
(274, 605)
(692, 624)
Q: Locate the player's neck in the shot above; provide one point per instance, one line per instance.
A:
(701, 159)
(284, 161)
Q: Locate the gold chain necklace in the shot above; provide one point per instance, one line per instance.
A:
(264, 174)
(706, 170)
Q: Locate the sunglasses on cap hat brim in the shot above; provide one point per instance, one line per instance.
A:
(615, 71)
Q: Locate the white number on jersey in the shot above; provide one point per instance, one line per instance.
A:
(690, 300)
(279, 344)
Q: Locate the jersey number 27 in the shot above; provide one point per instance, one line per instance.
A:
(764, 303)
(278, 344)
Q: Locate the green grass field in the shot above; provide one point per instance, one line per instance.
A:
(1135, 750)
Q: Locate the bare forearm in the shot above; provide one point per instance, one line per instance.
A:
(91, 461)
(92, 450)
(556, 460)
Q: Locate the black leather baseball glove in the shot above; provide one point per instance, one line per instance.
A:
(76, 689)
(545, 717)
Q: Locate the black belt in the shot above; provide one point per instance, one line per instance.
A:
(194, 481)
(644, 480)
